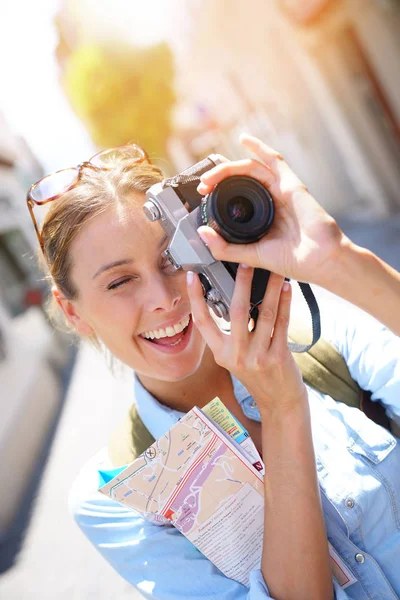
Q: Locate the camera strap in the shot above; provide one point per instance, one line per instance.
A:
(186, 183)
(315, 318)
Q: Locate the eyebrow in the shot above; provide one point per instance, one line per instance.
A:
(124, 261)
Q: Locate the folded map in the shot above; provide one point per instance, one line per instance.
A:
(197, 478)
(205, 477)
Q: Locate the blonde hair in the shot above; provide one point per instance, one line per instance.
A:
(96, 191)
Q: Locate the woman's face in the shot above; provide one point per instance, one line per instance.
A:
(131, 298)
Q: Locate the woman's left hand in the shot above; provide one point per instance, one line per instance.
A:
(260, 359)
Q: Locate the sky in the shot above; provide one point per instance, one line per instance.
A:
(30, 96)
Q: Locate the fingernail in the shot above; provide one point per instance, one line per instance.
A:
(244, 266)
(189, 277)
(203, 236)
(286, 286)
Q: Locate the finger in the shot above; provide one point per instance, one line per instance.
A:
(248, 167)
(222, 250)
(268, 155)
(200, 312)
(273, 160)
(204, 189)
(268, 311)
(240, 305)
(280, 335)
(222, 158)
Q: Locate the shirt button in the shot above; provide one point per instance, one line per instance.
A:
(360, 558)
(253, 404)
(350, 503)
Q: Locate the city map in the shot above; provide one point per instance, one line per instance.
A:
(196, 478)
(205, 477)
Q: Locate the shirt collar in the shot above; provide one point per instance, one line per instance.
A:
(239, 390)
(158, 418)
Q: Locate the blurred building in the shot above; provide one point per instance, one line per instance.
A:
(352, 50)
(32, 358)
(317, 79)
(19, 274)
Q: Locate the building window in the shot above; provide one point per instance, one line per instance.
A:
(2, 346)
(14, 276)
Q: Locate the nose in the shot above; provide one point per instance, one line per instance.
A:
(162, 294)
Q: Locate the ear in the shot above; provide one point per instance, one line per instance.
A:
(71, 314)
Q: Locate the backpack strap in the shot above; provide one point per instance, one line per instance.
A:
(325, 369)
(129, 440)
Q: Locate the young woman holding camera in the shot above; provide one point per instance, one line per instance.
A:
(331, 473)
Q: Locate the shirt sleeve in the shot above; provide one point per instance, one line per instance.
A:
(372, 353)
(157, 560)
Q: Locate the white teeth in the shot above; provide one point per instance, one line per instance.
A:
(168, 332)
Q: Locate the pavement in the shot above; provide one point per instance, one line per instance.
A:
(380, 236)
(56, 561)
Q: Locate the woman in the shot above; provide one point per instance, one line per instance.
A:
(113, 287)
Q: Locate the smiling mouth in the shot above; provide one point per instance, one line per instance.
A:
(170, 341)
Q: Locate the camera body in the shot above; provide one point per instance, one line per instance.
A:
(239, 208)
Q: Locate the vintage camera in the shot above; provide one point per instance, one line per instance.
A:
(238, 208)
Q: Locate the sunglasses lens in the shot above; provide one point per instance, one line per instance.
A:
(108, 158)
(54, 184)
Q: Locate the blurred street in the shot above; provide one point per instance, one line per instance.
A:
(56, 560)
(382, 237)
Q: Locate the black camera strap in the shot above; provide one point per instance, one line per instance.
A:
(186, 183)
(315, 318)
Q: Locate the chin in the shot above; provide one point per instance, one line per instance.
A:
(179, 371)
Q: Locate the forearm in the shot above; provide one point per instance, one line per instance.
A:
(295, 562)
(359, 276)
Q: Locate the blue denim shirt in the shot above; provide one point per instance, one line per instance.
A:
(358, 465)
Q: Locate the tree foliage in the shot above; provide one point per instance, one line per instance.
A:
(122, 94)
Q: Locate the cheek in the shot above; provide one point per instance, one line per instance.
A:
(180, 282)
(118, 318)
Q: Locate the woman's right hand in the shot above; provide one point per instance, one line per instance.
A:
(260, 359)
(303, 240)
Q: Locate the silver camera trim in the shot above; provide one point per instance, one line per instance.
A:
(186, 250)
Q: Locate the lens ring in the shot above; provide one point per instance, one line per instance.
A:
(216, 213)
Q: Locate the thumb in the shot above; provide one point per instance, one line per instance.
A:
(223, 250)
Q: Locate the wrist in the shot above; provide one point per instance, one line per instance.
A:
(344, 259)
(285, 410)
(359, 276)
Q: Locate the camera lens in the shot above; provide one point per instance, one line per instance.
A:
(239, 208)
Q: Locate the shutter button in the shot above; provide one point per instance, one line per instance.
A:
(360, 558)
(350, 503)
